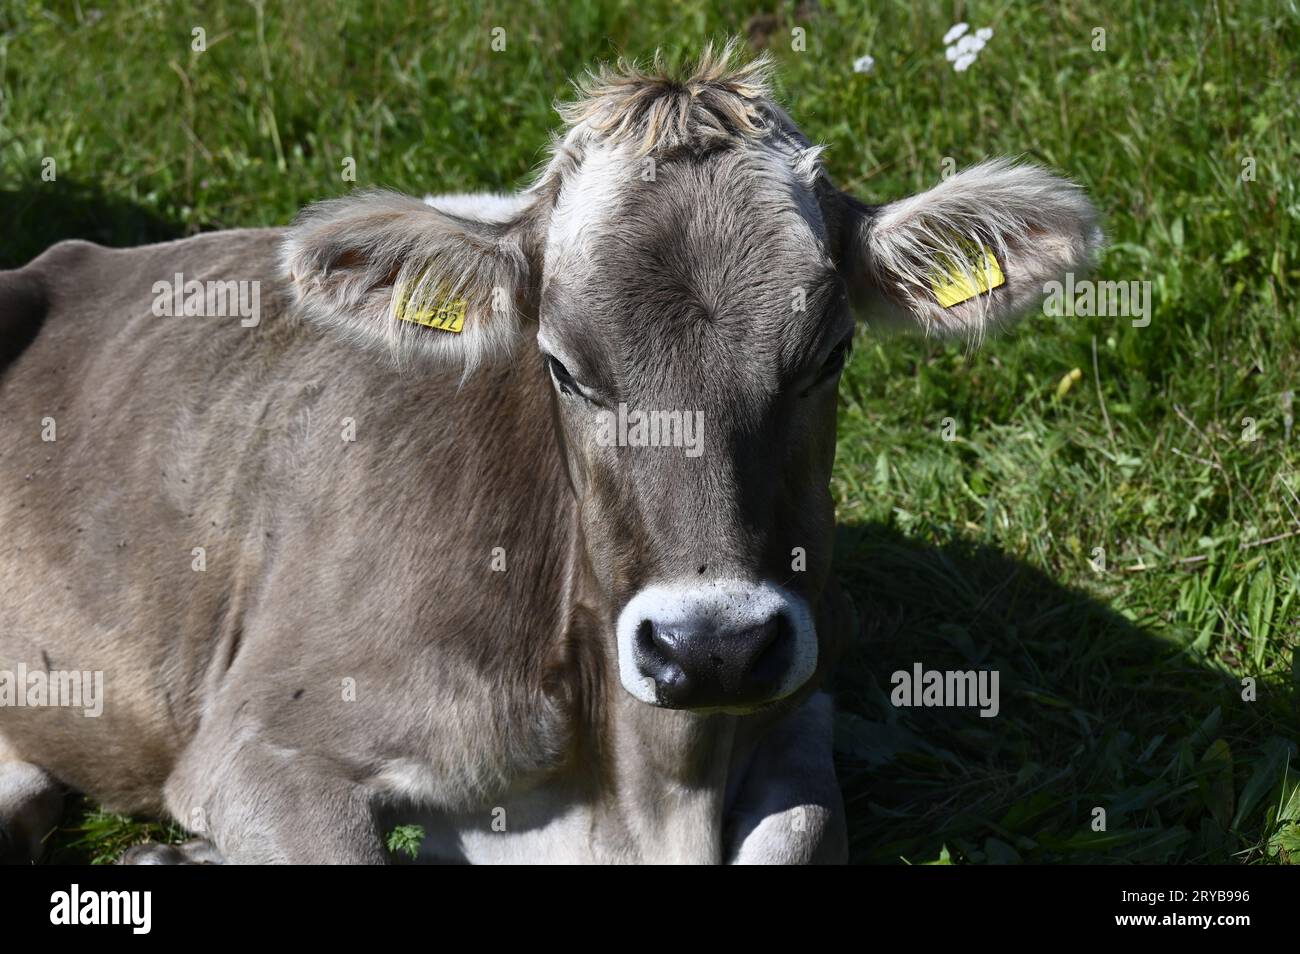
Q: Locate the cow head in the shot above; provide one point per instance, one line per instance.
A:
(690, 279)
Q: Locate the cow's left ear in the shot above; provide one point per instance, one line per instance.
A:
(397, 276)
(970, 253)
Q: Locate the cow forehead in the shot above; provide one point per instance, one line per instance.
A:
(715, 258)
(712, 208)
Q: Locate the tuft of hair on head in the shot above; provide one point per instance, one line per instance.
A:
(658, 110)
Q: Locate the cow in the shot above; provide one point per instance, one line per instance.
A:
(503, 515)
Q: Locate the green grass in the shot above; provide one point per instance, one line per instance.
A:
(1122, 688)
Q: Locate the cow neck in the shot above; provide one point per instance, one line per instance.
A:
(659, 775)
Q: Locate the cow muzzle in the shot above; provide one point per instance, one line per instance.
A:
(721, 645)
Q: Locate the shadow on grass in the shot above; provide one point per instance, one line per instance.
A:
(1095, 713)
(36, 218)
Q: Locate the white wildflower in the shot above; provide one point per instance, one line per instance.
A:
(962, 48)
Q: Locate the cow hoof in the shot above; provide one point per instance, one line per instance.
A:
(31, 803)
(194, 852)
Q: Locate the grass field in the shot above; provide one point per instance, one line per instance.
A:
(1170, 446)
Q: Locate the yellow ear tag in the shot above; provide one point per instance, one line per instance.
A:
(952, 286)
(447, 316)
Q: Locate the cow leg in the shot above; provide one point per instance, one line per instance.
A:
(262, 804)
(193, 852)
(789, 809)
(31, 803)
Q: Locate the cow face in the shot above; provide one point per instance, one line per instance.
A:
(694, 326)
(689, 277)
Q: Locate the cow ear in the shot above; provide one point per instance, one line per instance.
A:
(970, 253)
(397, 276)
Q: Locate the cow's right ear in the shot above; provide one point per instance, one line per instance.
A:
(395, 275)
(969, 254)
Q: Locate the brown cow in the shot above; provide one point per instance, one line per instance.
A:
(506, 514)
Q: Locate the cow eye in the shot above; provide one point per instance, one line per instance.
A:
(563, 379)
(834, 363)
(835, 360)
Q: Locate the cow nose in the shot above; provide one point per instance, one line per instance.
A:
(704, 666)
(724, 644)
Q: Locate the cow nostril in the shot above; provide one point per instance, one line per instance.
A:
(658, 645)
(771, 651)
(659, 657)
(645, 635)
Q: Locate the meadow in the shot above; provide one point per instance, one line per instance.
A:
(1105, 509)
